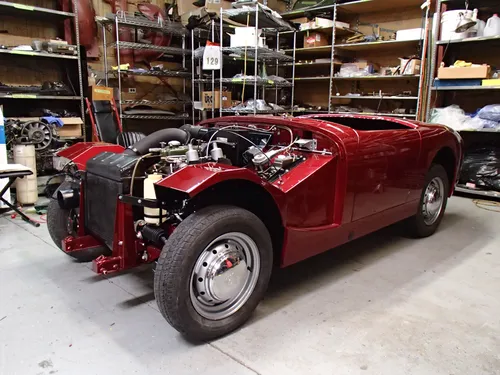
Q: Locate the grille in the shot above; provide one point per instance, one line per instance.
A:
(100, 206)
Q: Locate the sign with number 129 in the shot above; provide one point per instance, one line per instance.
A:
(211, 56)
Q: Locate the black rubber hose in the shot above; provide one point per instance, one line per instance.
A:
(195, 131)
(153, 140)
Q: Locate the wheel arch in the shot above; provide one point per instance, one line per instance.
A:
(447, 159)
(249, 196)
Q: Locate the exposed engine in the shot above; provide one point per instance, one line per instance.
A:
(271, 151)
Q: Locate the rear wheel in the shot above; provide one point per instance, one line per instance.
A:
(61, 223)
(432, 203)
(213, 271)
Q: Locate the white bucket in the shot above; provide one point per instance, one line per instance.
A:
(26, 187)
(450, 21)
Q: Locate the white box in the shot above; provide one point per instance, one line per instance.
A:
(245, 37)
(410, 34)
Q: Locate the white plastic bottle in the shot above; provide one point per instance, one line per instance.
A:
(151, 215)
(492, 27)
(26, 187)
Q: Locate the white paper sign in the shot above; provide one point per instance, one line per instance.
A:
(211, 58)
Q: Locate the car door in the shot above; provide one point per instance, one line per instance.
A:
(382, 169)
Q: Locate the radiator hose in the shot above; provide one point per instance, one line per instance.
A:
(153, 140)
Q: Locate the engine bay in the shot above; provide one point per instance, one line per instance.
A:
(270, 151)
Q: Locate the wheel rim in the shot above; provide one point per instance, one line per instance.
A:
(433, 201)
(224, 275)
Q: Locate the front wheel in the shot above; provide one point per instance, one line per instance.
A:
(213, 271)
(432, 203)
(61, 223)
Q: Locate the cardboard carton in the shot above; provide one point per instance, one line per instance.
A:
(207, 98)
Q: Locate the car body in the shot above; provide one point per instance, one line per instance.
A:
(314, 182)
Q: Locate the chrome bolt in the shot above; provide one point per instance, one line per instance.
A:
(120, 243)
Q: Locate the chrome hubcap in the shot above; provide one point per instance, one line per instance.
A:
(224, 275)
(433, 200)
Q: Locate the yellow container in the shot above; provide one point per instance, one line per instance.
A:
(491, 82)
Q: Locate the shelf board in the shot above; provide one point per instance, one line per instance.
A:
(154, 73)
(465, 88)
(38, 54)
(310, 111)
(376, 78)
(154, 117)
(482, 193)
(38, 97)
(375, 97)
(339, 31)
(250, 111)
(325, 78)
(155, 102)
(379, 46)
(326, 63)
(377, 114)
(263, 54)
(311, 50)
(250, 82)
(131, 20)
(487, 130)
(479, 39)
(150, 47)
(8, 8)
(356, 7)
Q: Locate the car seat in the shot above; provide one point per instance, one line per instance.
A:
(106, 124)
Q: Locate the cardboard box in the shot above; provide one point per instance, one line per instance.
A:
(206, 98)
(411, 68)
(478, 72)
(102, 93)
(185, 6)
(213, 6)
(72, 127)
(315, 39)
(300, 20)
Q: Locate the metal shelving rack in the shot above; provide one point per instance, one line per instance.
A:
(270, 25)
(8, 8)
(437, 95)
(125, 19)
(357, 7)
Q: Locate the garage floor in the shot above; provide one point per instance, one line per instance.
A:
(380, 305)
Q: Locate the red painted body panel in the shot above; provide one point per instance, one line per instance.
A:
(79, 153)
(372, 179)
(358, 182)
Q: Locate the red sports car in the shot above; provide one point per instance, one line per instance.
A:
(217, 205)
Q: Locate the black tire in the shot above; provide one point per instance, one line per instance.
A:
(57, 224)
(177, 260)
(416, 225)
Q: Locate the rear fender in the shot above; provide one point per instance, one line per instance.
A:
(80, 153)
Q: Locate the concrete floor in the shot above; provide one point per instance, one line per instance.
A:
(380, 305)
